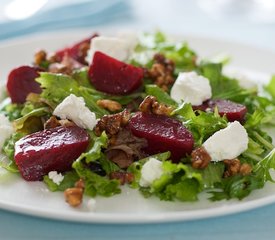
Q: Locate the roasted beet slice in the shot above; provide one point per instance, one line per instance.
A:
(163, 134)
(77, 51)
(21, 82)
(233, 111)
(49, 150)
(109, 75)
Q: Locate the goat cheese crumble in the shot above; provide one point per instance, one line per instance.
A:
(150, 171)
(113, 47)
(56, 177)
(191, 88)
(73, 108)
(227, 143)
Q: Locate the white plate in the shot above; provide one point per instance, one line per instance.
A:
(129, 207)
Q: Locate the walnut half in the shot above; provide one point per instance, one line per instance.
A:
(200, 158)
(151, 105)
(73, 196)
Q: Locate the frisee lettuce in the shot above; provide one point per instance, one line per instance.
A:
(70, 178)
(94, 183)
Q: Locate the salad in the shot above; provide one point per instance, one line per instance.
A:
(137, 110)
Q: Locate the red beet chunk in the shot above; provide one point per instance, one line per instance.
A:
(112, 76)
(163, 134)
(52, 149)
(233, 111)
(74, 51)
(21, 82)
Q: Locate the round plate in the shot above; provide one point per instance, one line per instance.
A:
(34, 198)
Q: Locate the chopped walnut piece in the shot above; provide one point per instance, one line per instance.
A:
(161, 71)
(245, 169)
(111, 124)
(123, 177)
(53, 122)
(151, 105)
(39, 57)
(200, 158)
(80, 184)
(74, 196)
(110, 105)
(232, 167)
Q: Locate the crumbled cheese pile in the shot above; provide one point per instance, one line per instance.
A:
(56, 177)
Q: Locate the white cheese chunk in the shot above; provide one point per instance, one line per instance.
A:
(130, 37)
(191, 88)
(150, 171)
(73, 108)
(6, 129)
(56, 177)
(113, 47)
(91, 204)
(227, 143)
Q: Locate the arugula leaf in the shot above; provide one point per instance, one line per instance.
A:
(222, 86)
(149, 44)
(263, 167)
(81, 76)
(201, 124)
(162, 96)
(236, 187)
(212, 174)
(11, 110)
(270, 87)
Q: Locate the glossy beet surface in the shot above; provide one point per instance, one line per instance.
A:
(233, 111)
(112, 76)
(74, 51)
(21, 82)
(163, 134)
(49, 150)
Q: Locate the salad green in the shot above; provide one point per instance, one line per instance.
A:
(178, 181)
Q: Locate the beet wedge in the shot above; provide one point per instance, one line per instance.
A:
(21, 82)
(52, 149)
(163, 134)
(233, 111)
(112, 76)
(75, 51)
